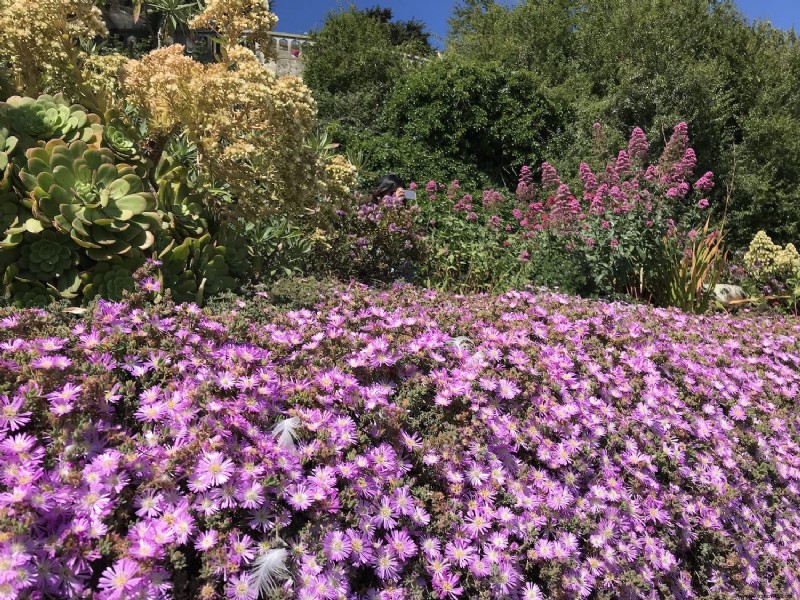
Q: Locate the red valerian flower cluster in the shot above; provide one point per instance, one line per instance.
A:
(399, 445)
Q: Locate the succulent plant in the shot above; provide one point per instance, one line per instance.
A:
(234, 247)
(120, 137)
(110, 280)
(82, 192)
(183, 210)
(16, 218)
(47, 257)
(8, 213)
(195, 269)
(46, 118)
(7, 145)
(29, 295)
(180, 152)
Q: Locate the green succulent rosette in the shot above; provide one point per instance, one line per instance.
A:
(235, 251)
(82, 192)
(111, 280)
(120, 142)
(121, 137)
(34, 120)
(195, 269)
(47, 257)
(183, 210)
(30, 295)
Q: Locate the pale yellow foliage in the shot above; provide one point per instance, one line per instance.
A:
(340, 177)
(237, 20)
(101, 75)
(39, 39)
(248, 125)
(765, 259)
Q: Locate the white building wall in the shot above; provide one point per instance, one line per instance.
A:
(287, 48)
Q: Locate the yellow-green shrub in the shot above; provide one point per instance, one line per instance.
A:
(40, 43)
(766, 260)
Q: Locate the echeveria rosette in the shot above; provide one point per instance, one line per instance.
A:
(46, 260)
(101, 205)
(111, 279)
(183, 210)
(47, 256)
(29, 295)
(45, 118)
(121, 138)
(234, 248)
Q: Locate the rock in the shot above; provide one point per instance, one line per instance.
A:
(728, 293)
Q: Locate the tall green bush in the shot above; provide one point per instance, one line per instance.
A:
(352, 67)
(654, 63)
(452, 119)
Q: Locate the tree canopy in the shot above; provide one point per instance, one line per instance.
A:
(653, 63)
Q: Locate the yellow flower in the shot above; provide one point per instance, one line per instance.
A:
(40, 42)
(765, 259)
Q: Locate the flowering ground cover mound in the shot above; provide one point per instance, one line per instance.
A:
(398, 445)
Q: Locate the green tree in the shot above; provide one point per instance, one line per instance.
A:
(410, 35)
(767, 191)
(653, 63)
(452, 119)
(351, 68)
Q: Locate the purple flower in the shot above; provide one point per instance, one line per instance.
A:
(337, 546)
(241, 587)
(119, 580)
(214, 469)
(206, 540)
(12, 415)
(387, 567)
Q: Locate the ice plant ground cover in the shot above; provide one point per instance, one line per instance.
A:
(399, 445)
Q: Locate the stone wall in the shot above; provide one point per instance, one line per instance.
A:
(288, 51)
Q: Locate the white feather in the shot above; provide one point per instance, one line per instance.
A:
(461, 342)
(285, 432)
(269, 569)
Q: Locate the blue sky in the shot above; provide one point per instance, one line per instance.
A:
(298, 16)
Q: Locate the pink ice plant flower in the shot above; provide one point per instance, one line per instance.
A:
(579, 448)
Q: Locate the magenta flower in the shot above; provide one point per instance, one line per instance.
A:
(507, 389)
(120, 579)
(214, 469)
(402, 544)
(12, 415)
(387, 566)
(386, 516)
(299, 497)
(447, 585)
(460, 553)
(206, 540)
(62, 401)
(241, 587)
(337, 546)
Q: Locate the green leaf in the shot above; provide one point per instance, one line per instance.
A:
(34, 226)
(129, 205)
